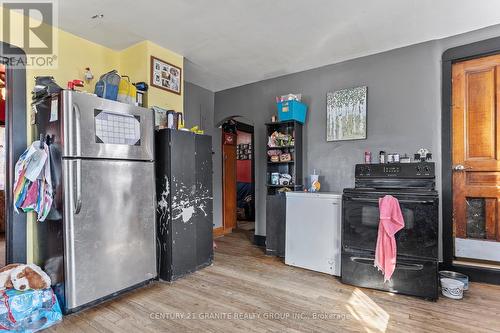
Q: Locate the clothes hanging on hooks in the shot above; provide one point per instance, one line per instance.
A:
(33, 183)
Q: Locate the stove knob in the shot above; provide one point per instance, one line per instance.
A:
(418, 168)
(427, 169)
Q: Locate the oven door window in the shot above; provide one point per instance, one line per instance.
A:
(419, 237)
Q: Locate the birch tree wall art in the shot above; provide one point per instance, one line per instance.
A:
(346, 114)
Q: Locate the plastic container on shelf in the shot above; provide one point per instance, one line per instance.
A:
(292, 110)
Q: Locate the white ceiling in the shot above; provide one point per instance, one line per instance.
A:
(234, 42)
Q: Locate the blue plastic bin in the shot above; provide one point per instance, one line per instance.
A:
(292, 110)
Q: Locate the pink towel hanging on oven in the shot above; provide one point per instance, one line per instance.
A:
(391, 221)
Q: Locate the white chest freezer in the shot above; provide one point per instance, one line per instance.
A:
(313, 231)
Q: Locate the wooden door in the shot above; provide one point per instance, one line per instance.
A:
(476, 158)
(229, 181)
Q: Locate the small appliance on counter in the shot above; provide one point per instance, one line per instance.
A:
(413, 184)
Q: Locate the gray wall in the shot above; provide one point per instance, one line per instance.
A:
(199, 110)
(403, 110)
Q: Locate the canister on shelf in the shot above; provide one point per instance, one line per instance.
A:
(390, 158)
(396, 157)
(171, 119)
(275, 178)
(368, 157)
(180, 120)
(405, 159)
(381, 157)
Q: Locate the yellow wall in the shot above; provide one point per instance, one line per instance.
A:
(75, 53)
(161, 97)
(135, 62)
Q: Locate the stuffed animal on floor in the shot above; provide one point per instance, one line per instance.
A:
(5, 281)
(23, 277)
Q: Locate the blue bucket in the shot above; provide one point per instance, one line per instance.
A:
(292, 110)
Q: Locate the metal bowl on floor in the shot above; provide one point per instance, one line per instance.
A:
(452, 288)
(456, 276)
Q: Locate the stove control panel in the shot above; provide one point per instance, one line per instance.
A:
(398, 170)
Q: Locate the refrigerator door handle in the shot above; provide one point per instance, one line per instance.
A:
(78, 186)
(78, 139)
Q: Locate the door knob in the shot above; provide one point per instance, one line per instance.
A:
(460, 167)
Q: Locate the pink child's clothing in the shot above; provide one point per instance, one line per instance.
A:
(391, 221)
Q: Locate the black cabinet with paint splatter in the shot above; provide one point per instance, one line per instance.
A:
(184, 206)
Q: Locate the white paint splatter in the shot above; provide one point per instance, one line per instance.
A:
(163, 207)
(185, 203)
(187, 213)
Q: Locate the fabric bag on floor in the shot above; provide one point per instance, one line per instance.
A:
(28, 311)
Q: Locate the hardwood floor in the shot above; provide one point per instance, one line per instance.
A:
(280, 298)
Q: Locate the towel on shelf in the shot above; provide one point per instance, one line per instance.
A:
(391, 221)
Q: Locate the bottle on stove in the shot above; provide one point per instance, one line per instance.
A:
(368, 157)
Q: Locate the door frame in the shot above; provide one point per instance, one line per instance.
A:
(249, 129)
(450, 56)
(223, 230)
(15, 142)
(244, 128)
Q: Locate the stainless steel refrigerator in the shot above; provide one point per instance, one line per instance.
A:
(99, 237)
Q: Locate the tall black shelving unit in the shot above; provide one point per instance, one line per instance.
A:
(184, 212)
(276, 200)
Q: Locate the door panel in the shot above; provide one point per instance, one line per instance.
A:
(204, 215)
(419, 237)
(99, 128)
(109, 227)
(229, 184)
(411, 277)
(476, 155)
(314, 245)
(276, 224)
(183, 191)
(480, 115)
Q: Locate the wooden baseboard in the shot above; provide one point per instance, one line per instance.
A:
(220, 231)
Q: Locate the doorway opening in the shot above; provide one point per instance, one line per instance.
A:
(238, 178)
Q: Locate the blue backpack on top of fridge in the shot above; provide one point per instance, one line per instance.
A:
(107, 86)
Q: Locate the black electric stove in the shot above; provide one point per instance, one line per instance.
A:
(413, 184)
